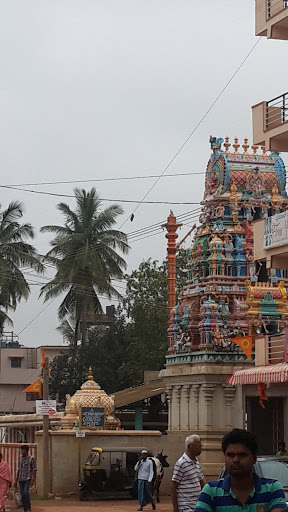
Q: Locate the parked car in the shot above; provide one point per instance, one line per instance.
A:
(270, 466)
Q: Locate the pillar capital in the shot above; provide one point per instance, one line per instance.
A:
(208, 392)
(178, 390)
(169, 391)
(187, 388)
(229, 392)
(196, 391)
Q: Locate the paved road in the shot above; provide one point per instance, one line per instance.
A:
(65, 505)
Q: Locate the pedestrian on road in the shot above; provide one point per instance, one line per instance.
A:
(26, 476)
(5, 482)
(187, 479)
(144, 474)
(242, 489)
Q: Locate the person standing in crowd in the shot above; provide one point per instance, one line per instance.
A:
(282, 450)
(242, 488)
(5, 482)
(144, 474)
(187, 479)
(26, 476)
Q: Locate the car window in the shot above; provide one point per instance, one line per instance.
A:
(275, 469)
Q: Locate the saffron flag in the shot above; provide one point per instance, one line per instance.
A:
(245, 343)
(35, 387)
(43, 358)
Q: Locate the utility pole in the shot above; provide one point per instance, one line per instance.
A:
(46, 454)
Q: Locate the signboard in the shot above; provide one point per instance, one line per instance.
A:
(92, 417)
(80, 433)
(46, 407)
(276, 230)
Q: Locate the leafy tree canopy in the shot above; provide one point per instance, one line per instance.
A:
(136, 342)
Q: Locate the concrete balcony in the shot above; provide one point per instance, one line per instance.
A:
(271, 18)
(270, 123)
(271, 242)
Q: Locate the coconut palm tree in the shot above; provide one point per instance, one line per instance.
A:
(15, 254)
(67, 329)
(84, 252)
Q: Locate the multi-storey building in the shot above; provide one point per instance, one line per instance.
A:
(19, 367)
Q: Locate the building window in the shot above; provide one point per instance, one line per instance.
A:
(31, 397)
(16, 362)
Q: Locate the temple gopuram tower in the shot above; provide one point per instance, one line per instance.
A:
(226, 301)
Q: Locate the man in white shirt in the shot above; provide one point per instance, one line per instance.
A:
(187, 479)
(145, 473)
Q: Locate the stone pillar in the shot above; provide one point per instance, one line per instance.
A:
(178, 390)
(196, 391)
(169, 391)
(229, 392)
(187, 388)
(208, 392)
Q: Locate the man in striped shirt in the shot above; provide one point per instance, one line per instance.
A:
(241, 490)
(187, 479)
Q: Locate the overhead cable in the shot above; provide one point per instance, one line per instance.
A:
(194, 130)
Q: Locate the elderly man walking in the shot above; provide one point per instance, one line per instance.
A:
(187, 479)
(145, 473)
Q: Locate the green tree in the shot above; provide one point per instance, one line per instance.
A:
(105, 352)
(147, 307)
(137, 340)
(15, 254)
(85, 253)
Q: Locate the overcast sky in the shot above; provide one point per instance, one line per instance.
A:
(98, 89)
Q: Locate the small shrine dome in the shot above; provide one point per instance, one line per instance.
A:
(90, 395)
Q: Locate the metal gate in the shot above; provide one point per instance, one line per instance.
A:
(11, 453)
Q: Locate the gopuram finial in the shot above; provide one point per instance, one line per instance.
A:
(90, 376)
(236, 146)
(245, 146)
(227, 144)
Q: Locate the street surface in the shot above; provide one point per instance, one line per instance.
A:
(67, 505)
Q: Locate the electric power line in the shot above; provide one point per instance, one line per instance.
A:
(194, 129)
(119, 178)
(55, 194)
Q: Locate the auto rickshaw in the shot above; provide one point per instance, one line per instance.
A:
(109, 473)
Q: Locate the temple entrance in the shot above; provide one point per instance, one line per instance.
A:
(267, 424)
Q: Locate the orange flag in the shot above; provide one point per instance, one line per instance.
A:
(245, 343)
(35, 387)
(43, 358)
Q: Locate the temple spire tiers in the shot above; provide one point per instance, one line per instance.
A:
(212, 309)
(224, 302)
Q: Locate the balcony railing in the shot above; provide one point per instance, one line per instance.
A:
(276, 6)
(276, 349)
(277, 111)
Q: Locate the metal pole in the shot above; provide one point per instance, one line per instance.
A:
(46, 455)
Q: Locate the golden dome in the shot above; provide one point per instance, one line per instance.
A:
(90, 395)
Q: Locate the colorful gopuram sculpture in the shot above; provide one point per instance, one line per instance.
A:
(212, 309)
